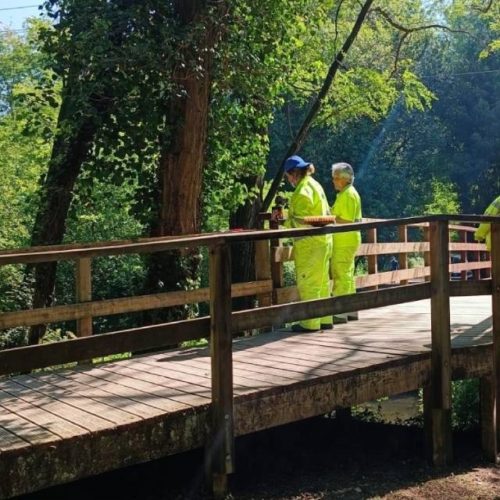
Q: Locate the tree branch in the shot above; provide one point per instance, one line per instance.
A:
(407, 31)
(316, 105)
(484, 9)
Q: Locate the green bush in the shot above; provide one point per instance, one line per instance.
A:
(465, 409)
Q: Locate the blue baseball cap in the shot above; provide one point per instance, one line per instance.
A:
(295, 162)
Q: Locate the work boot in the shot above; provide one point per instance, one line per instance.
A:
(300, 329)
(338, 320)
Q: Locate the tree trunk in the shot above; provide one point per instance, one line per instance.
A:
(67, 157)
(183, 155)
(242, 254)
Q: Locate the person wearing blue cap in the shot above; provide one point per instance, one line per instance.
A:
(311, 254)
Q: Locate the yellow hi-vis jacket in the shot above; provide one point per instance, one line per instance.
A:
(483, 232)
(348, 207)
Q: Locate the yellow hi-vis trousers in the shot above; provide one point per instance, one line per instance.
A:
(312, 271)
(343, 270)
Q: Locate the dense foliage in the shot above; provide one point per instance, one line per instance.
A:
(415, 104)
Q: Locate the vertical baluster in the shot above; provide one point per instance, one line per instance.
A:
(84, 294)
(371, 237)
(263, 258)
(276, 267)
(463, 254)
(427, 255)
(403, 256)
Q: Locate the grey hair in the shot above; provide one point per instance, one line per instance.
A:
(343, 170)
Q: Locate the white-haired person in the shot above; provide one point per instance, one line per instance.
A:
(347, 209)
(312, 253)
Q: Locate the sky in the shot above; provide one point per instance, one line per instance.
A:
(13, 13)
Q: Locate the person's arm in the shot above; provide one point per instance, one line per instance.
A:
(483, 230)
(340, 220)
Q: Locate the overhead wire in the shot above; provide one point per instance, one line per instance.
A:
(20, 7)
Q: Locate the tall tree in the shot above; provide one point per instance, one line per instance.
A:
(183, 145)
(95, 48)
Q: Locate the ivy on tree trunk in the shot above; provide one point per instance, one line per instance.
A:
(182, 155)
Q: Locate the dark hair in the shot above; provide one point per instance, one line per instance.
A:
(302, 172)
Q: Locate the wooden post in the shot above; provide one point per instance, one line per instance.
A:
(263, 269)
(477, 272)
(462, 236)
(427, 255)
(489, 427)
(440, 386)
(427, 403)
(486, 273)
(371, 237)
(495, 303)
(403, 256)
(84, 294)
(276, 267)
(220, 446)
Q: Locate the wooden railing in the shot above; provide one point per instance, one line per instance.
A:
(268, 287)
(473, 258)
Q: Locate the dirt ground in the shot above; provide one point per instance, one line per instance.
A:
(316, 459)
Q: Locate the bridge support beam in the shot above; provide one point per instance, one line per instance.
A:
(220, 444)
(439, 400)
(495, 379)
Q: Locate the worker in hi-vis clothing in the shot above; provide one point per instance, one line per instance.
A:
(483, 232)
(346, 209)
(312, 253)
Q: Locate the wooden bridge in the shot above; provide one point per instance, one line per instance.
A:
(61, 425)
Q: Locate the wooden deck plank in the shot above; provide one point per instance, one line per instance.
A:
(324, 361)
(24, 429)
(31, 394)
(370, 345)
(328, 346)
(8, 440)
(249, 379)
(44, 384)
(137, 389)
(190, 374)
(159, 383)
(134, 401)
(39, 416)
(125, 404)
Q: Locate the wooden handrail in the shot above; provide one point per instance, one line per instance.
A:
(151, 245)
(124, 305)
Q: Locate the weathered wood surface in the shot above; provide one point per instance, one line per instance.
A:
(151, 245)
(440, 386)
(64, 425)
(125, 305)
